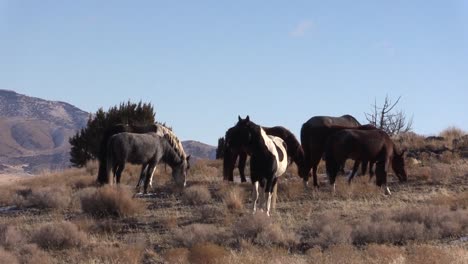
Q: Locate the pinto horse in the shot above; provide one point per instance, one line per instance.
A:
(314, 134)
(374, 146)
(234, 148)
(268, 161)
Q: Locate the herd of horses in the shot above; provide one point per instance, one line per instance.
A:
(271, 150)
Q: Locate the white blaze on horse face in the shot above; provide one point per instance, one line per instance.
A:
(271, 143)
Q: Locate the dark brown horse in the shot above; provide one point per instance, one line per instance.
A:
(314, 135)
(363, 146)
(115, 129)
(234, 147)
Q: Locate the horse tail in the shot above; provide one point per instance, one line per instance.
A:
(273, 197)
(109, 163)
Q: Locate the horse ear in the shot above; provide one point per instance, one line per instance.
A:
(240, 119)
(188, 157)
(247, 118)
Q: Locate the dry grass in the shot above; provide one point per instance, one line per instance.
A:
(31, 254)
(59, 236)
(177, 256)
(207, 253)
(424, 219)
(197, 195)
(10, 237)
(206, 170)
(7, 257)
(110, 201)
(400, 226)
(261, 229)
(234, 198)
(191, 235)
(44, 198)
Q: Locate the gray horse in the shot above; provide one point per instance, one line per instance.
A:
(148, 150)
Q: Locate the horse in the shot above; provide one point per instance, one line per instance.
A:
(268, 161)
(115, 129)
(147, 149)
(314, 134)
(374, 146)
(233, 148)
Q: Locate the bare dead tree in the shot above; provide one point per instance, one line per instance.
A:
(391, 121)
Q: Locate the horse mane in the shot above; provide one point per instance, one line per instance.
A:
(175, 143)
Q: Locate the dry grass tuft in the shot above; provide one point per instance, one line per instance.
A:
(260, 229)
(326, 230)
(207, 253)
(206, 170)
(31, 254)
(177, 256)
(451, 133)
(118, 253)
(211, 213)
(399, 226)
(375, 253)
(7, 257)
(110, 201)
(425, 254)
(58, 197)
(191, 235)
(7, 195)
(10, 237)
(197, 195)
(58, 236)
(290, 190)
(234, 198)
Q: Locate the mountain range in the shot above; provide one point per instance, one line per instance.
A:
(34, 134)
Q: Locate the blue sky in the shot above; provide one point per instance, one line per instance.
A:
(203, 63)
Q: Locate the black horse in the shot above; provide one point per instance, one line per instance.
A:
(233, 148)
(268, 161)
(374, 146)
(147, 149)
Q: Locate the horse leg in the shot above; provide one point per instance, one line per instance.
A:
(371, 170)
(255, 195)
(241, 165)
(150, 175)
(315, 163)
(229, 162)
(150, 169)
(269, 189)
(118, 172)
(355, 168)
(381, 169)
(142, 177)
(364, 164)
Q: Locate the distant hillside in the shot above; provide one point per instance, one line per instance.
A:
(199, 150)
(34, 132)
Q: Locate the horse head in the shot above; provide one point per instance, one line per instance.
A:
(241, 134)
(180, 171)
(398, 165)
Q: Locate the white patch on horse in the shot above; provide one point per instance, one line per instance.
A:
(270, 142)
